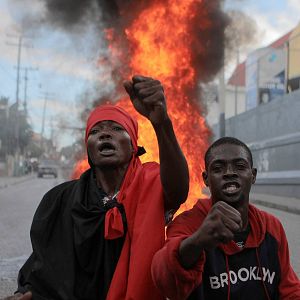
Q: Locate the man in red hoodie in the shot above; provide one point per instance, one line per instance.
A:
(224, 247)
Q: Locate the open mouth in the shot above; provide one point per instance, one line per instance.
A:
(231, 188)
(107, 148)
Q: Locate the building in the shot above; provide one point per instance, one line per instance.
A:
(262, 108)
(293, 67)
(259, 79)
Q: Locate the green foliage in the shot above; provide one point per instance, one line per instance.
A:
(33, 150)
(14, 128)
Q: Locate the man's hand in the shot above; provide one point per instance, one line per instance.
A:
(19, 296)
(219, 226)
(148, 98)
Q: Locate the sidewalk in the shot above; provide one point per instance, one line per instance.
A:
(8, 181)
(291, 205)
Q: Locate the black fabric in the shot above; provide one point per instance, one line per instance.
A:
(241, 237)
(141, 151)
(71, 259)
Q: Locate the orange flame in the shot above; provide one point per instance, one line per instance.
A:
(160, 47)
(79, 168)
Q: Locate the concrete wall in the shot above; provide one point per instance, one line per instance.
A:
(235, 101)
(272, 131)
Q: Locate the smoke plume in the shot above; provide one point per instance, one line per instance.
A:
(241, 33)
(209, 37)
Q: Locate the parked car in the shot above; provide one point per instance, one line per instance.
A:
(47, 168)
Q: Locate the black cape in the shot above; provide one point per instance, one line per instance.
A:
(71, 259)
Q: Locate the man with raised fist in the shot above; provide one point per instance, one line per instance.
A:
(224, 247)
(94, 238)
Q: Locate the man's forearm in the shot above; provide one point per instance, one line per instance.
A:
(173, 165)
(190, 251)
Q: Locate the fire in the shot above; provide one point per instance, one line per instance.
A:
(160, 46)
(79, 168)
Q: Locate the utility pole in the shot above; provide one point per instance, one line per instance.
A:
(25, 90)
(25, 86)
(221, 95)
(236, 82)
(46, 97)
(287, 67)
(20, 44)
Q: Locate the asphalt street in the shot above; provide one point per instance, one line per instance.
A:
(17, 206)
(19, 202)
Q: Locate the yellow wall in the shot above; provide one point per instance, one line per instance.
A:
(294, 53)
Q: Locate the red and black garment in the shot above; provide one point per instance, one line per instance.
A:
(84, 250)
(259, 270)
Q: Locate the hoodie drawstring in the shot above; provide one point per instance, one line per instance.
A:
(228, 274)
(261, 274)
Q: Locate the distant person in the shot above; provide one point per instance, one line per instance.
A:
(224, 247)
(94, 238)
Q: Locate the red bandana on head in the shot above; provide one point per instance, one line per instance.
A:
(116, 114)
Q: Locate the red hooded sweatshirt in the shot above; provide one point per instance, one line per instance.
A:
(259, 270)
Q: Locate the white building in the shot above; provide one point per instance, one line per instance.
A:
(255, 81)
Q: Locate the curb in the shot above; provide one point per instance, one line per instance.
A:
(272, 201)
(5, 185)
(292, 210)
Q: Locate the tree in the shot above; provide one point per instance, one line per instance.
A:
(15, 127)
(4, 116)
(33, 150)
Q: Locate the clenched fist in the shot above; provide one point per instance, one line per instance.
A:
(220, 225)
(148, 98)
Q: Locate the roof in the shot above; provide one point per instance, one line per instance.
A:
(281, 41)
(238, 77)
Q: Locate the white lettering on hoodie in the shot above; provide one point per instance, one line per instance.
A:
(243, 274)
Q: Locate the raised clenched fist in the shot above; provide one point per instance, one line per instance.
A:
(219, 226)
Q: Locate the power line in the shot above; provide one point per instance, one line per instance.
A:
(25, 85)
(20, 44)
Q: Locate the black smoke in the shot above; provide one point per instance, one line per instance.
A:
(207, 27)
(111, 13)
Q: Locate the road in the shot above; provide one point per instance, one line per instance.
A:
(19, 202)
(17, 206)
(291, 224)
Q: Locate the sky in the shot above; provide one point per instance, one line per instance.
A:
(64, 66)
(273, 19)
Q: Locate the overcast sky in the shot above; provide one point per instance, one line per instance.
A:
(65, 67)
(273, 17)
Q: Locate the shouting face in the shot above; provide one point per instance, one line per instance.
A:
(229, 174)
(109, 145)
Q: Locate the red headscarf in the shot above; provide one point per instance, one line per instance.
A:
(116, 114)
